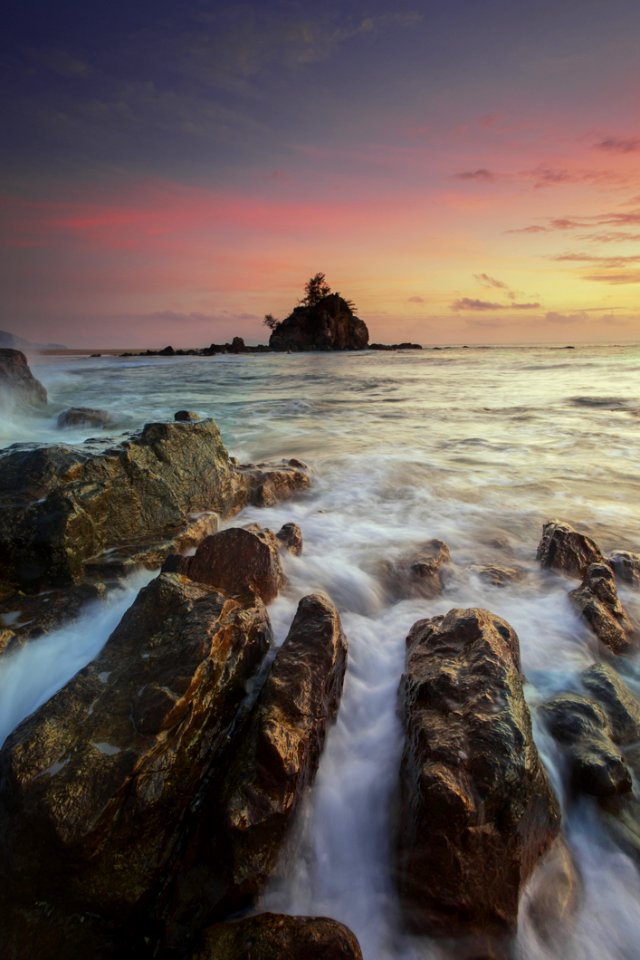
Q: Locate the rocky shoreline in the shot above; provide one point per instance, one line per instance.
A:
(145, 806)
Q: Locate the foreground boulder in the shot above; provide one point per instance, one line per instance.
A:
(19, 389)
(418, 573)
(563, 548)
(235, 561)
(249, 812)
(272, 936)
(63, 506)
(476, 810)
(597, 601)
(97, 786)
(329, 324)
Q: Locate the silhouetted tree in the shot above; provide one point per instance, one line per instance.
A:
(315, 289)
(271, 322)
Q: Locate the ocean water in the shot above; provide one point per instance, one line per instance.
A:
(477, 447)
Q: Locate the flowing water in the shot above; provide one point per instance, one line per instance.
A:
(477, 447)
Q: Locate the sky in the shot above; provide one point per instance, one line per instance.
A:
(466, 171)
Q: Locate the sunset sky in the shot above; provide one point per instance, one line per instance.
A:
(467, 171)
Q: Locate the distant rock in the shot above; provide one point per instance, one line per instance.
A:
(19, 389)
(183, 416)
(271, 936)
(563, 548)
(84, 417)
(597, 600)
(19, 343)
(329, 324)
(476, 809)
(395, 346)
(290, 537)
(418, 573)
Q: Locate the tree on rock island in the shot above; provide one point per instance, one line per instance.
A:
(322, 321)
(315, 290)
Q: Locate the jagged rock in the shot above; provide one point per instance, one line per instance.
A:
(18, 387)
(38, 614)
(498, 576)
(563, 548)
(272, 936)
(476, 810)
(98, 786)
(235, 561)
(418, 573)
(63, 506)
(597, 600)
(626, 567)
(329, 324)
(250, 809)
(186, 415)
(616, 699)
(269, 483)
(84, 417)
(596, 765)
(290, 537)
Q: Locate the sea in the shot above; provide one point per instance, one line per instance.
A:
(475, 446)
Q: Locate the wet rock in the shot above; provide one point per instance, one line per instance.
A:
(84, 417)
(616, 699)
(63, 506)
(98, 786)
(419, 573)
(290, 537)
(597, 601)
(19, 388)
(272, 936)
(186, 415)
(626, 567)
(269, 483)
(235, 561)
(329, 324)
(33, 616)
(596, 764)
(498, 576)
(563, 548)
(250, 811)
(476, 810)
(552, 897)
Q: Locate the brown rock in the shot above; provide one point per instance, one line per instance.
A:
(35, 615)
(597, 600)
(419, 573)
(248, 815)
(476, 809)
(329, 324)
(497, 575)
(18, 386)
(186, 415)
(272, 936)
(596, 765)
(61, 506)
(616, 699)
(269, 483)
(290, 537)
(553, 895)
(235, 561)
(626, 567)
(84, 417)
(563, 548)
(98, 786)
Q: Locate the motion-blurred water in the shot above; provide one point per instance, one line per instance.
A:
(477, 447)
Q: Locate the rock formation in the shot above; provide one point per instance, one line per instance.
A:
(626, 566)
(563, 548)
(329, 324)
(597, 601)
(19, 389)
(271, 936)
(61, 507)
(84, 417)
(476, 809)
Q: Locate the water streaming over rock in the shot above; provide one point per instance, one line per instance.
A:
(477, 447)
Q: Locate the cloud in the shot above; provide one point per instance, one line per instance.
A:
(534, 228)
(524, 306)
(629, 218)
(467, 303)
(416, 300)
(555, 318)
(588, 258)
(59, 62)
(616, 279)
(481, 174)
(619, 144)
(488, 281)
(613, 236)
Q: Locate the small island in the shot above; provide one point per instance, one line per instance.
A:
(323, 320)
